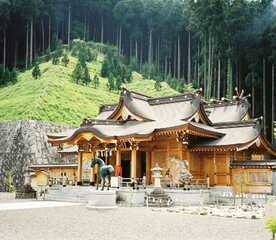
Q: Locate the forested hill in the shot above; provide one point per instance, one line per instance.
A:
(55, 97)
(214, 44)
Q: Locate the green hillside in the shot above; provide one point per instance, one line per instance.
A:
(56, 98)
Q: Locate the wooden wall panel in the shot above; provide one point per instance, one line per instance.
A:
(252, 180)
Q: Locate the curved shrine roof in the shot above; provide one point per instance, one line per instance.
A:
(220, 124)
(227, 112)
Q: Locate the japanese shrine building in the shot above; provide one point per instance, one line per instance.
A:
(218, 139)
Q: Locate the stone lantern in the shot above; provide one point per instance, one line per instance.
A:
(157, 175)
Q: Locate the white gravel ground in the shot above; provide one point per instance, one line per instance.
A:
(76, 222)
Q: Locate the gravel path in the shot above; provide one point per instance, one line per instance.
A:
(76, 222)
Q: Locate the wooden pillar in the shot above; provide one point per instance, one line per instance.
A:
(133, 173)
(118, 158)
(180, 151)
(118, 167)
(79, 177)
(228, 170)
(92, 180)
(215, 169)
(148, 167)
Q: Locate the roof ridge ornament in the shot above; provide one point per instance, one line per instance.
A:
(240, 95)
(198, 92)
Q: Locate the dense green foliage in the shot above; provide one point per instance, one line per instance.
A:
(55, 97)
(7, 76)
(115, 70)
(214, 44)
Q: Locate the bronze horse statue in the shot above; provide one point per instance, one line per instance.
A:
(105, 171)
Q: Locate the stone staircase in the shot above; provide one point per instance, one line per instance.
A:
(79, 194)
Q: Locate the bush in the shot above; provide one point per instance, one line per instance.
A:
(65, 60)
(105, 69)
(13, 75)
(96, 81)
(271, 225)
(157, 85)
(77, 73)
(111, 82)
(91, 55)
(55, 60)
(36, 71)
(86, 76)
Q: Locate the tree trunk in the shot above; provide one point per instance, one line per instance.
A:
(136, 49)
(205, 65)
(273, 102)
(165, 70)
(194, 69)
(27, 47)
(4, 48)
(174, 60)
(84, 28)
(198, 69)
(158, 54)
(141, 54)
(189, 57)
(253, 100)
(120, 40)
(31, 41)
(229, 78)
(102, 29)
(15, 54)
(130, 48)
(209, 65)
(150, 47)
(212, 68)
(35, 43)
(43, 35)
(264, 95)
(49, 33)
(219, 66)
(178, 57)
(69, 25)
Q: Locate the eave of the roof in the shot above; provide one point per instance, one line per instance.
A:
(253, 163)
(53, 165)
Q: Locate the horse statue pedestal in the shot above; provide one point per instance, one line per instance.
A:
(98, 200)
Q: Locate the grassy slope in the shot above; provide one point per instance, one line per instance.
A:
(54, 97)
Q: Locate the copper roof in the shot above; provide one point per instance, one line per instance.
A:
(221, 123)
(233, 135)
(227, 112)
(180, 107)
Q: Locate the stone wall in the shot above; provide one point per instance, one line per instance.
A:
(23, 143)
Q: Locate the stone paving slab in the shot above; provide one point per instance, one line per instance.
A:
(17, 205)
(77, 223)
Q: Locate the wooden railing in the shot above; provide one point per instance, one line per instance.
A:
(193, 185)
(61, 181)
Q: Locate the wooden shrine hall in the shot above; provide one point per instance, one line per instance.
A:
(218, 139)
